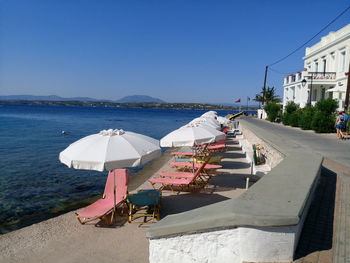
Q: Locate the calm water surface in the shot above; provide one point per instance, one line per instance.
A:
(34, 185)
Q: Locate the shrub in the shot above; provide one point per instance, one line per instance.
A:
(328, 106)
(289, 110)
(323, 119)
(294, 118)
(273, 111)
(322, 122)
(306, 116)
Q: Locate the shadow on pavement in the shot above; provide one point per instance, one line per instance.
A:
(174, 204)
(227, 182)
(317, 233)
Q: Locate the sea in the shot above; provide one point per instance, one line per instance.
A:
(34, 185)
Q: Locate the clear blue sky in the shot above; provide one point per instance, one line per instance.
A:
(180, 50)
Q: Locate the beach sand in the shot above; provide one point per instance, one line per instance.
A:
(63, 239)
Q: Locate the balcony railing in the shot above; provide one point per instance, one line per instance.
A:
(322, 75)
(318, 76)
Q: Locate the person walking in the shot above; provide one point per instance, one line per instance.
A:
(339, 124)
(345, 124)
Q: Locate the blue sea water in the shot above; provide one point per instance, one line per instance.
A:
(34, 185)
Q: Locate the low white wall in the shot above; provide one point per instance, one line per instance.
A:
(241, 244)
(273, 156)
(215, 247)
(262, 114)
(268, 244)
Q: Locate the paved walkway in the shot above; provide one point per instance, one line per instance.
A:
(326, 233)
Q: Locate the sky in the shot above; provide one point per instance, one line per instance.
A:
(209, 51)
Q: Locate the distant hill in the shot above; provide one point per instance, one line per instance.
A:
(46, 98)
(138, 99)
(127, 99)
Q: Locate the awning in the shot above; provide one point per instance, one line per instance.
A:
(337, 89)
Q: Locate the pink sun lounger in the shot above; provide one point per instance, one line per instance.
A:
(105, 205)
(189, 165)
(184, 153)
(216, 147)
(180, 179)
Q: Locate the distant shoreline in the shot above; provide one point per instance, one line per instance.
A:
(190, 106)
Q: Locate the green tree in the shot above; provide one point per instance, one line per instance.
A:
(267, 95)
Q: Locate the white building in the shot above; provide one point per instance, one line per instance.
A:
(326, 66)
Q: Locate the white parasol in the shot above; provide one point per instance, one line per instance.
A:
(191, 135)
(210, 114)
(109, 150)
(208, 121)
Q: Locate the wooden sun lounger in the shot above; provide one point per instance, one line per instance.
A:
(188, 181)
(209, 169)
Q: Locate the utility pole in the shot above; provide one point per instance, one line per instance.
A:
(346, 104)
(264, 88)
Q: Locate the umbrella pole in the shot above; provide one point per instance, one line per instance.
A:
(193, 164)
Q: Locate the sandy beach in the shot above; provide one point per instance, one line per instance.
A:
(63, 239)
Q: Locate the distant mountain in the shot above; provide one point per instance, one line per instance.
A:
(46, 98)
(138, 99)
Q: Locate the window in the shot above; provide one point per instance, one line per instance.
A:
(323, 93)
(332, 63)
(324, 64)
(314, 94)
(330, 94)
(316, 66)
(342, 61)
(308, 66)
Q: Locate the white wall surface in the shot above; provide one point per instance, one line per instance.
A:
(214, 247)
(269, 244)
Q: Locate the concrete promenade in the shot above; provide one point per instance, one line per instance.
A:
(326, 233)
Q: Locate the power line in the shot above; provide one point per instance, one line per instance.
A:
(278, 72)
(297, 49)
(281, 73)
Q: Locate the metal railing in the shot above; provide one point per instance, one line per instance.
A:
(322, 75)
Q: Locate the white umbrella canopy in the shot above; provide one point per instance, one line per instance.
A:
(209, 121)
(208, 124)
(109, 150)
(191, 135)
(210, 114)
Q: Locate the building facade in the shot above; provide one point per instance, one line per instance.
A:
(325, 74)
